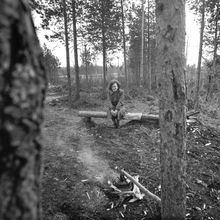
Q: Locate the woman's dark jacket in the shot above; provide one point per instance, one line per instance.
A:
(116, 98)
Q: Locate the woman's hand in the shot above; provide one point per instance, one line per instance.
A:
(114, 113)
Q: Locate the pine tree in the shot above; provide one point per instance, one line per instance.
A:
(51, 64)
(22, 92)
(124, 46)
(196, 98)
(171, 66)
(77, 95)
(53, 13)
(103, 28)
(149, 52)
(212, 37)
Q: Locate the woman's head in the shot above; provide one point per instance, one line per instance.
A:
(114, 85)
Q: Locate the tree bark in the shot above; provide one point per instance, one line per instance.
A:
(213, 69)
(185, 76)
(86, 63)
(124, 47)
(171, 63)
(148, 49)
(77, 95)
(22, 92)
(104, 61)
(104, 48)
(142, 75)
(67, 53)
(196, 98)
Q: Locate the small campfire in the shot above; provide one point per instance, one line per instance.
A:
(126, 189)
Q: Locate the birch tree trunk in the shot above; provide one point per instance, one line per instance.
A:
(22, 92)
(77, 95)
(196, 98)
(171, 60)
(67, 52)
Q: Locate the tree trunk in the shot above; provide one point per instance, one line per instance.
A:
(196, 98)
(87, 76)
(124, 47)
(103, 48)
(104, 63)
(67, 53)
(171, 63)
(86, 63)
(213, 70)
(77, 95)
(185, 76)
(22, 92)
(148, 49)
(142, 75)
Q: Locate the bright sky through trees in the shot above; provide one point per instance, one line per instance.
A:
(192, 43)
(192, 38)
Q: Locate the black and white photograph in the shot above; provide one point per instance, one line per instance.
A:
(109, 110)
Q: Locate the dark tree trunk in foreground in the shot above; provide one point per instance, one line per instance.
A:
(22, 91)
(196, 98)
(171, 61)
(77, 95)
(67, 52)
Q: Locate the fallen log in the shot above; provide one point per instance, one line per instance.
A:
(141, 187)
(92, 114)
(132, 116)
(128, 116)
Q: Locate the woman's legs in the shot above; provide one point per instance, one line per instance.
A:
(115, 121)
(116, 118)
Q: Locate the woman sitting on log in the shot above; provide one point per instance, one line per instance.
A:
(116, 98)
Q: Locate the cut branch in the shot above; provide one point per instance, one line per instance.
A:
(142, 188)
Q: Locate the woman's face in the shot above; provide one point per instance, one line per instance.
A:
(114, 87)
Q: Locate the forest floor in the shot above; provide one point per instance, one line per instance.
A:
(79, 160)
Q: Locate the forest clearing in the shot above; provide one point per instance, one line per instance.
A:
(79, 159)
(150, 149)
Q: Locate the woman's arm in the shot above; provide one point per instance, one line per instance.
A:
(121, 100)
(109, 100)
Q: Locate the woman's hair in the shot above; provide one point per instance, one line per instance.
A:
(113, 81)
